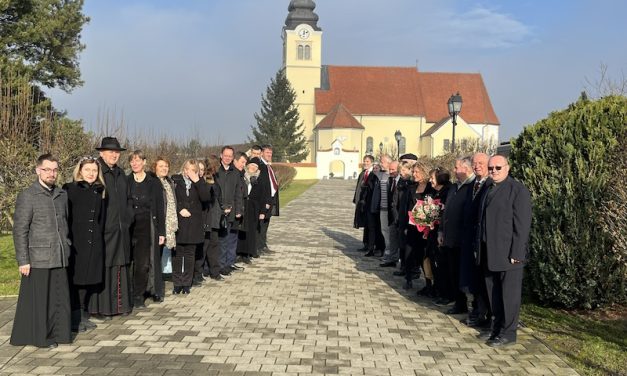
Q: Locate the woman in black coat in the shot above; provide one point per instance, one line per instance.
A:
(148, 231)
(86, 222)
(416, 242)
(440, 180)
(191, 191)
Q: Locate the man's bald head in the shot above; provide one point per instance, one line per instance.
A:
(498, 168)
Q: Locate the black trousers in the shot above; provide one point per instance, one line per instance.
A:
(214, 251)
(42, 315)
(504, 292)
(142, 241)
(415, 252)
(262, 236)
(183, 259)
(451, 260)
(202, 257)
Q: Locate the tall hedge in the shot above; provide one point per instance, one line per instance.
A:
(568, 163)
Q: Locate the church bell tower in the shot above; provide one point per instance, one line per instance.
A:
(302, 60)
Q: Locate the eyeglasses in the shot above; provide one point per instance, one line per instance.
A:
(497, 168)
(49, 170)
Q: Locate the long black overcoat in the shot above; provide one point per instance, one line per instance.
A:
(191, 229)
(364, 198)
(227, 192)
(86, 222)
(118, 216)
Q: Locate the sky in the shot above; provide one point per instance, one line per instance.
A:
(198, 68)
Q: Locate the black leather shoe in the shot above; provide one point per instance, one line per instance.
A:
(479, 324)
(237, 268)
(369, 254)
(455, 310)
(217, 277)
(186, 290)
(487, 336)
(53, 345)
(499, 341)
(177, 290)
(399, 273)
(390, 264)
(157, 299)
(197, 282)
(441, 302)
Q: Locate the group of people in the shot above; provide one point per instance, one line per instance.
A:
(477, 246)
(93, 248)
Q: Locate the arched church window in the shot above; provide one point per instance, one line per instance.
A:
(402, 145)
(307, 53)
(300, 52)
(369, 144)
(336, 151)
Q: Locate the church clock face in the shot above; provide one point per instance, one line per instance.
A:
(303, 33)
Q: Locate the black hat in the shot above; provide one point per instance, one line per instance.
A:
(110, 143)
(409, 156)
(254, 160)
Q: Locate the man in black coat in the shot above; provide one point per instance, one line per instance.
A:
(115, 296)
(271, 206)
(502, 237)
(450, 234)
(471, 275)
(226, 210)
(367, 213)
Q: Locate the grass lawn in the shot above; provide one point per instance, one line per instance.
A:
(593, 342)
(295, 189)
(9, 275)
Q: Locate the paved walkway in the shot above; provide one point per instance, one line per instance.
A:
(315, 306)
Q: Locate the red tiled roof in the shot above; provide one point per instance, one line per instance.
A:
(403, 91)
(339, 117)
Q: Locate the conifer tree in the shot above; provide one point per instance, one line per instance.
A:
(278, 123)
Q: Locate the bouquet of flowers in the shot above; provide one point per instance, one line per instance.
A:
(426, 214)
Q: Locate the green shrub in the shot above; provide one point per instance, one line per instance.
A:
(567, 162)
(284, 175)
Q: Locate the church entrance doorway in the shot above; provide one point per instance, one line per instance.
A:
(337, 169)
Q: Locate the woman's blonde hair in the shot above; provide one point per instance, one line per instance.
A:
(79, 177)
(189, 162)
(408, 165)
(423, 168)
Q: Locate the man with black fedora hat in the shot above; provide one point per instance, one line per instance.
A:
(114, 296)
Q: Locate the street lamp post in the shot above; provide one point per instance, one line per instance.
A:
(454, 108)
(398, 136)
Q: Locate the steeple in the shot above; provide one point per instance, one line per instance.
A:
(301, 12)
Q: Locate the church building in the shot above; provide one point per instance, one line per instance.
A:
(351, 111)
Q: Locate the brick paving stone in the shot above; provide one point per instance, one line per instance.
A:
(314, 306)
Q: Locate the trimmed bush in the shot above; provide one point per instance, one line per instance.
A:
(284, 175)
(568, 163)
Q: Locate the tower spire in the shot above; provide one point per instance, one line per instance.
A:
(301, 12)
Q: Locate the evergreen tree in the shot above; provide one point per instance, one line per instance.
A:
(278, 123)
(42, 39)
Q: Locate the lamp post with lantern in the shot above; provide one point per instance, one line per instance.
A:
(398, 135)
(454, 108)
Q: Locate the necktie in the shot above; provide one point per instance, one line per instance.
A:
(475, 189)
(366, 176)
(393, 185)
(275, 184)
